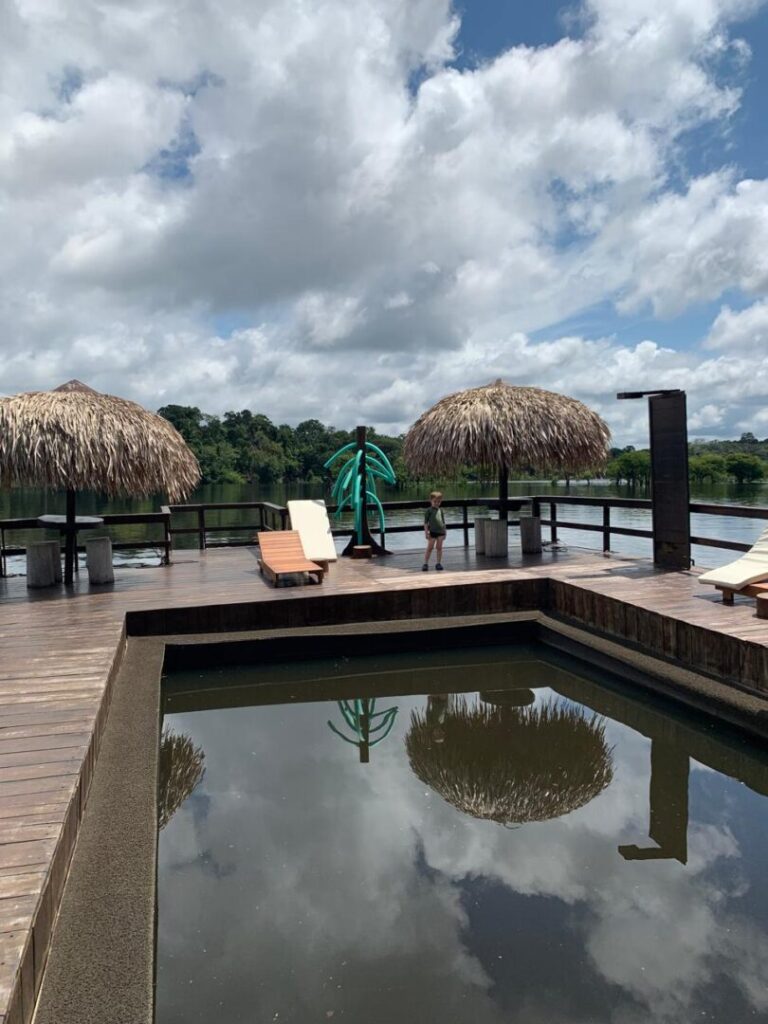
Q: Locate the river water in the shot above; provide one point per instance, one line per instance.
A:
(25, 503)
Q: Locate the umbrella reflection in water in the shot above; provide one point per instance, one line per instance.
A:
(510, 764)
(181, 769)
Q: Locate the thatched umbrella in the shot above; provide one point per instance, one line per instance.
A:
(506, 426)
(74, 438)
(180, 770)
(512, 765)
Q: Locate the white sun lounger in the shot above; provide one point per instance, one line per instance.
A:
(748, 575)
(310, 519)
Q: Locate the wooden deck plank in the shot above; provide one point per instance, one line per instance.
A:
(53, 769)
(28, 883)
(16, 912)
(34, 730)
(46, 741)
(39, 785)
(36, 851)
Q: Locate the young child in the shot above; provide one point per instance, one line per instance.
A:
(434, 530)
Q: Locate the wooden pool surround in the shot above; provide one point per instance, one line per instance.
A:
(62, 651)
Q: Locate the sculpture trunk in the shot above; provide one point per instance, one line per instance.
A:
(362, 534)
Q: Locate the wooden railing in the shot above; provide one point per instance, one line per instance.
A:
(275, 517)
(607, 529)
(269, 516)
(737, 511)
(163, 518)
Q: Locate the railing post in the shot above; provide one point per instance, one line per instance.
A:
(2, 552)
(606, 527)
(201, 528)
(553, 522)
(465, 524)
(283, 518)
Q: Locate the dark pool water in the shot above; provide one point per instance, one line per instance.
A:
(525, 844)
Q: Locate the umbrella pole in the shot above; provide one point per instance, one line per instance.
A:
(70, 552)
(503, 493)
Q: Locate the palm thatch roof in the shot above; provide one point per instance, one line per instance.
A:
(512, 765)
(180, 770)
(508, 426)
(75, 438)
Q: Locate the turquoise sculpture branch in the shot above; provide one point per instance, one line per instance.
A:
(367, 725)
(355, 488)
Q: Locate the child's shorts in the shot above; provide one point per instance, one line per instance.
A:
(434, 535)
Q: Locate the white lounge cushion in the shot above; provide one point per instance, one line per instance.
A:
(310, 518)
(750, 568)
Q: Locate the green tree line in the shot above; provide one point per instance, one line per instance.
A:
(742, 461)
(246, 447)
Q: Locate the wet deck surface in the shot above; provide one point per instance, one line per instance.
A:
(59, 649)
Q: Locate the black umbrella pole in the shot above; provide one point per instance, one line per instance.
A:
(70, 541)
(503, 493)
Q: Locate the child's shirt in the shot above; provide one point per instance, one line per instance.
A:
(434, 520)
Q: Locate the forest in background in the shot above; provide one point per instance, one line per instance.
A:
(247, 447)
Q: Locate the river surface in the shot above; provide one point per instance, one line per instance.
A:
(25, 503)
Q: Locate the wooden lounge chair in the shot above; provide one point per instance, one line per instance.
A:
(747, 576)
(310, 518)
(283, 555)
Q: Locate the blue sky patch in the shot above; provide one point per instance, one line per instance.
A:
(172, 163)
(489, 27)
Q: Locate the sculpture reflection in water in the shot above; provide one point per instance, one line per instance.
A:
(181, 769)
(669, 807)
(367, 725)
(509, 763)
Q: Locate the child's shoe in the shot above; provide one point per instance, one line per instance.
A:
(425, 567)
(439, 567)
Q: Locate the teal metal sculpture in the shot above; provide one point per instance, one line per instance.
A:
(364, 722)
(355, 488)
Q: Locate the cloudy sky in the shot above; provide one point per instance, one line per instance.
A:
(345, 209)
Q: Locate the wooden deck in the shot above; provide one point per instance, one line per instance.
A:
(60, 652)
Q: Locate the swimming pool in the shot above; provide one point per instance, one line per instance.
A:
(480, 835)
